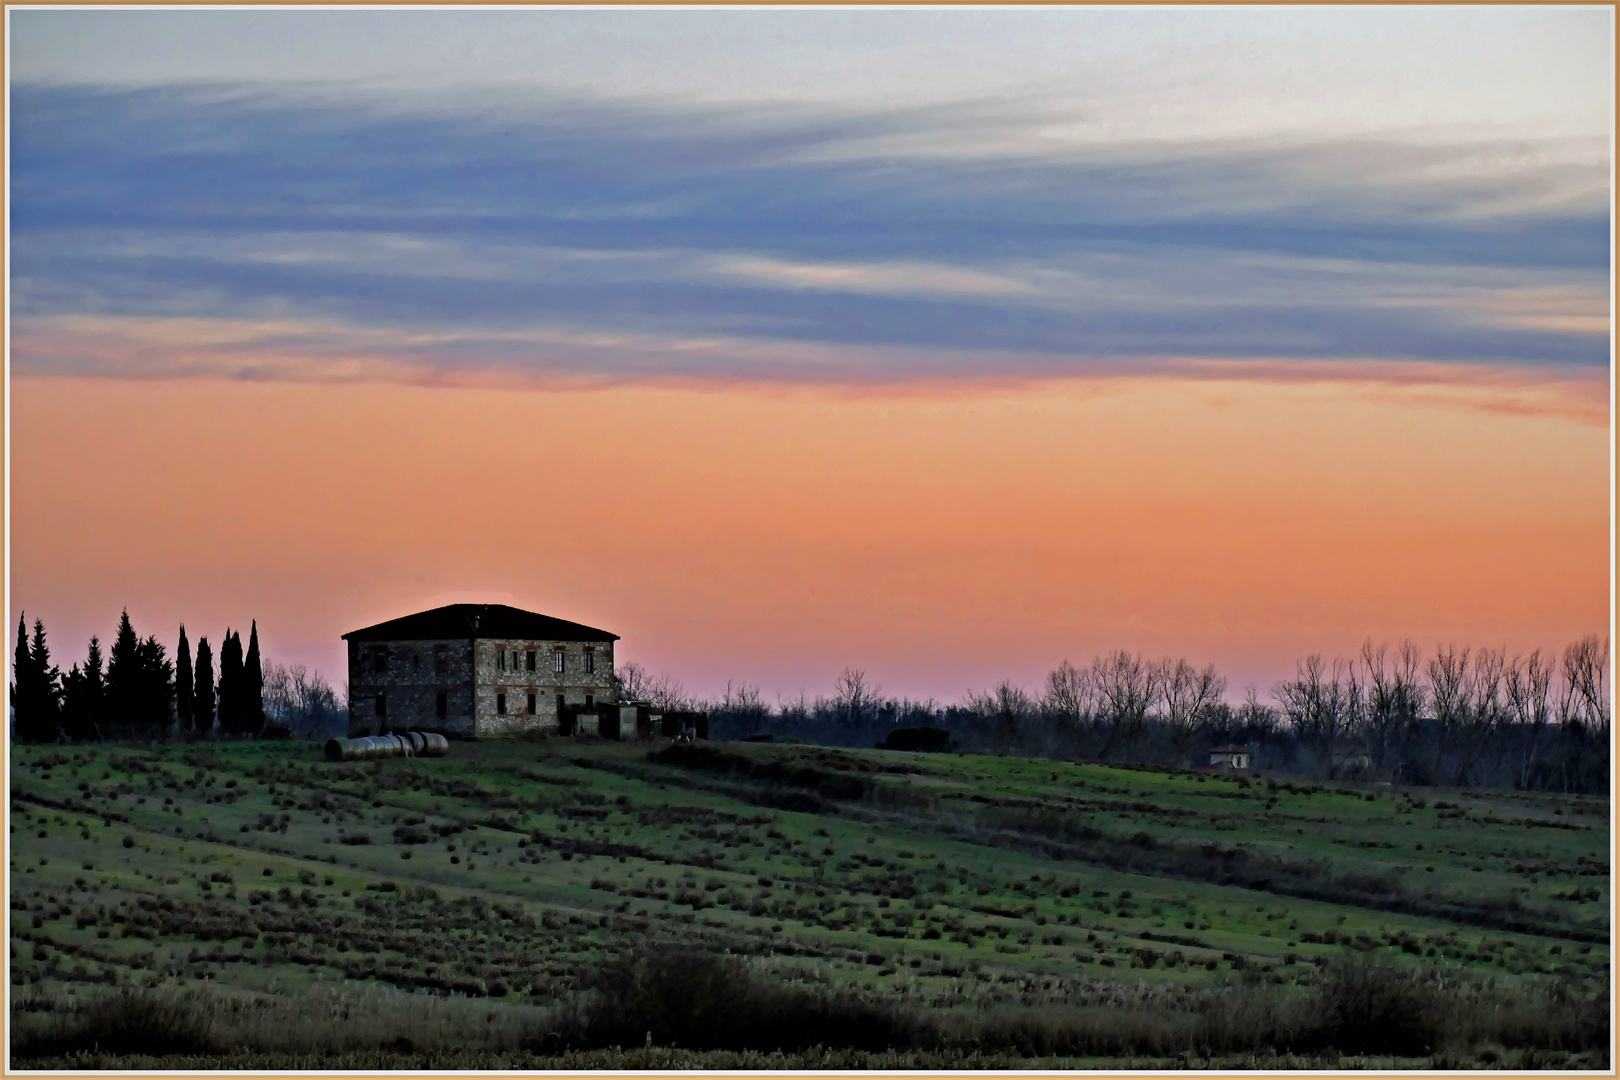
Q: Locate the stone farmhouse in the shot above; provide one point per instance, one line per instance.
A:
(475, 670)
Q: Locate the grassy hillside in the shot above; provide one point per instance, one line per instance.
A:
(1045, 908)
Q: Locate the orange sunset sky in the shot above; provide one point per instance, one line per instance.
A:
(942, 540)
(947, 344)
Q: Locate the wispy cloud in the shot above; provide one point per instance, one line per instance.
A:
(318, 231)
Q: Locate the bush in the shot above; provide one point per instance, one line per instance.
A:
(1369, 1006)
(702, 1001)
(129, 1022)
(931, 740)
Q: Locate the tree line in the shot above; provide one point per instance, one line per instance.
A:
(1457, 716)
(142, 693)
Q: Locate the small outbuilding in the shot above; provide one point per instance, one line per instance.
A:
(1229, 757)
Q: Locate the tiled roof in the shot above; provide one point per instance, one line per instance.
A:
(454, 621)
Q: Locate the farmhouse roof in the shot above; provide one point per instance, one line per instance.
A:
(478, 621)
(1229, 749)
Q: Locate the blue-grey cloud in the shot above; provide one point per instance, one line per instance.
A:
(883, 230)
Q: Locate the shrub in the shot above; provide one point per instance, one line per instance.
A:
(1369, 1006)
(703, 1001)
(129, 1022)
(923, 739)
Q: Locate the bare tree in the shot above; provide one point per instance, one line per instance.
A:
(1006, 705)
(1448, 698)
(1383, 714)
(855, 697)
(300, 700)
(632, 681)
(744, 697)
(1354, 724)
(794, 710)
(1528, 686)
(667, 694)
(1126, 686)
(1255, 716)
(1187, 694)
(1314, 704)
(1407, 693)
(1581, 707)
(277, 695)
(1070, 699)
(1483, 710)
(635, 683)
(741, 706)
(1586, 672)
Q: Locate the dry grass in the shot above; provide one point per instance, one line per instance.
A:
(673, 1001)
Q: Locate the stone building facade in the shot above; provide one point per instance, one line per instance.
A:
(473, 670)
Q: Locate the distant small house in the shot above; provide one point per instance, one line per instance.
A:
(1229, 757)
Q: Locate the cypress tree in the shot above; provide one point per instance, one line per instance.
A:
(95, 687)
(82, 694)
(75, 710)
(202, 695)
(45, 689)
(22, 706)
(230, 684)
(183, 687)
(124, 676)
(253, 686)
(156, 687)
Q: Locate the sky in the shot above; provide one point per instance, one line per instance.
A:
(947, 344)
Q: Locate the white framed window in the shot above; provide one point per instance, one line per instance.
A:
(557, 660)
(590, 661)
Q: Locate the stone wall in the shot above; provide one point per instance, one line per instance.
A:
(415, 673)
(574, 683)
(473, 676)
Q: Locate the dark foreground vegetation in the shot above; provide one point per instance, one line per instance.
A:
(665, 1006)
(559, 903)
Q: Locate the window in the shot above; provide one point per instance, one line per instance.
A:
(590, 701)
(500, 704)
(534, 701)
(382, 705)
(441, 659)
(379, 661)
(416, 661)
(441, 705)
(590, 661)
(557, 660)
(500, 660)
(531, 659)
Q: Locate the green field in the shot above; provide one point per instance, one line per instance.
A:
(500, 879)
